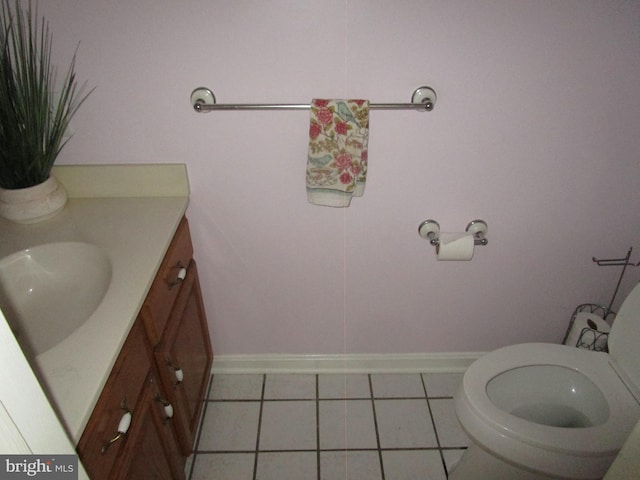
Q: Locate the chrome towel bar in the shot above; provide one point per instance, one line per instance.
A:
(203, 100)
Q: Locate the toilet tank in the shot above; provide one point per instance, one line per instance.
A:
(624, 339)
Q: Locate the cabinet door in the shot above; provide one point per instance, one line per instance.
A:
(184, 358)
(166, 286)
(101, 446)
(164, 419)
(145, 459)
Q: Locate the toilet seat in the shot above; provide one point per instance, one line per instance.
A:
(571, 452)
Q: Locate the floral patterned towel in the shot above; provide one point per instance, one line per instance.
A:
(337, 160)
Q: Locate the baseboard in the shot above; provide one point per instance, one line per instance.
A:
(347, 363)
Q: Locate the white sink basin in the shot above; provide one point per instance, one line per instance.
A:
(48, 291)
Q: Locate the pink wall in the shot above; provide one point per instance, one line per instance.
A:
(535, 131)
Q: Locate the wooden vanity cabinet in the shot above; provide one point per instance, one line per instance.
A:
(160, 377)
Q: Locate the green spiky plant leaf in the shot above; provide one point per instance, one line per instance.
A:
(33, 117)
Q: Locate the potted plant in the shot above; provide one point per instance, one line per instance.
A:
(35, 111)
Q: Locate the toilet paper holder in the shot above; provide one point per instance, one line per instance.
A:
(430, 230)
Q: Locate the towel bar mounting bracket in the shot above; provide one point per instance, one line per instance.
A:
(426, 96)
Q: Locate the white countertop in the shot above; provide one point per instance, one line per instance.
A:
(135, 231)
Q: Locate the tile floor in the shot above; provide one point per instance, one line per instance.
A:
(329, 427)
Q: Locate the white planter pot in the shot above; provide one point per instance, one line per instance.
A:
(33, 204)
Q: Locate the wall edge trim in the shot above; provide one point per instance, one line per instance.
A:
(344, 363)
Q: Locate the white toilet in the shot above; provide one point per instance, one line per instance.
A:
(546, 411)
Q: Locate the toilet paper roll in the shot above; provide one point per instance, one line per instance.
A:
(592, 337)
(455, 246)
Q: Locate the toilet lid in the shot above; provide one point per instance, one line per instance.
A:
(624, 338)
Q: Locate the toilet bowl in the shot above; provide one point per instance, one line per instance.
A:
(547, 411)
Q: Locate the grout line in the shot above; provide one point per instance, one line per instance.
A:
(311, 450)
(257, 451)
(270, 450)
(435, 430)
(345, 385)
(323, 399)
(318, 425)
(375, 423)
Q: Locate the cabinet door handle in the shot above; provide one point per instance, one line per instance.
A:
(179, 376)
(166, 405)
(177, 371)
(168, 410)
(182, 274)
(123, 427)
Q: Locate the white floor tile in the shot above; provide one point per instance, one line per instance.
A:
(404, 424)
(223, 466)
(397, 385)
(341, 423)
(290, 465)
(236, 387)
(442, 384)
(288, 425)
(294, 386)
(347, 424)
(450, 433)
(451, 458)
(343, 386)
(350, 465)
(230, 426)
(413, 465)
